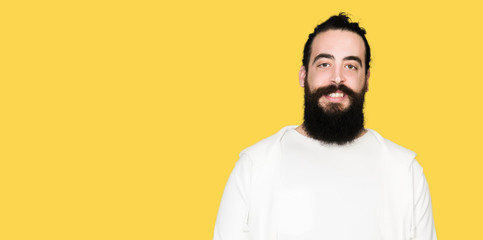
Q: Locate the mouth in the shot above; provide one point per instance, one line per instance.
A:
(337, 96)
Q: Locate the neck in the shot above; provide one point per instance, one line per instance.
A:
(302, 131)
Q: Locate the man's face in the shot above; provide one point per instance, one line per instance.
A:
(337, 58)
(335, 84)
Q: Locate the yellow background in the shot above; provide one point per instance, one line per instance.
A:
(123, 119)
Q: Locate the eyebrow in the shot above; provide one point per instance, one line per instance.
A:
(323, 55)
(330, 56)
(355, 58)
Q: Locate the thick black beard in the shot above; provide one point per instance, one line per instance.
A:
(333, 125)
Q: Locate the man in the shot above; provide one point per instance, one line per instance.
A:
(329, 178)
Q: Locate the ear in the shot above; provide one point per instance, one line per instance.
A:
(367, 79)
(302, 74)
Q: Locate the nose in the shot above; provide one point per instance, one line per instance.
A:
(337, 77)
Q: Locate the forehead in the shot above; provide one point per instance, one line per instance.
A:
(339, 43)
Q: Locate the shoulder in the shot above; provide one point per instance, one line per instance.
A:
(266, 147)
(258, 164)
(397, 152)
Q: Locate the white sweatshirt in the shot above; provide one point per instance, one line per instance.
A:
(289, 186)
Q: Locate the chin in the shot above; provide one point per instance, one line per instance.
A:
(334, 108)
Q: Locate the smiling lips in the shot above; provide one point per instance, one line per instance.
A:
(336, 96)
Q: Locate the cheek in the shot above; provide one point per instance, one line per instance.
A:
(355, 80)
(318, 78)
(351, 74)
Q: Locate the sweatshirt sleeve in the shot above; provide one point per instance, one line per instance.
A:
(423, 212)
(232, 219)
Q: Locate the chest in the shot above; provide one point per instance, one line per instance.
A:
(330, 196)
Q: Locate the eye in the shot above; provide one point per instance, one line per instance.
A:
(324, 65)
(351, 67)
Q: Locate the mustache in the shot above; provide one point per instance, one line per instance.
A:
(319, 92)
